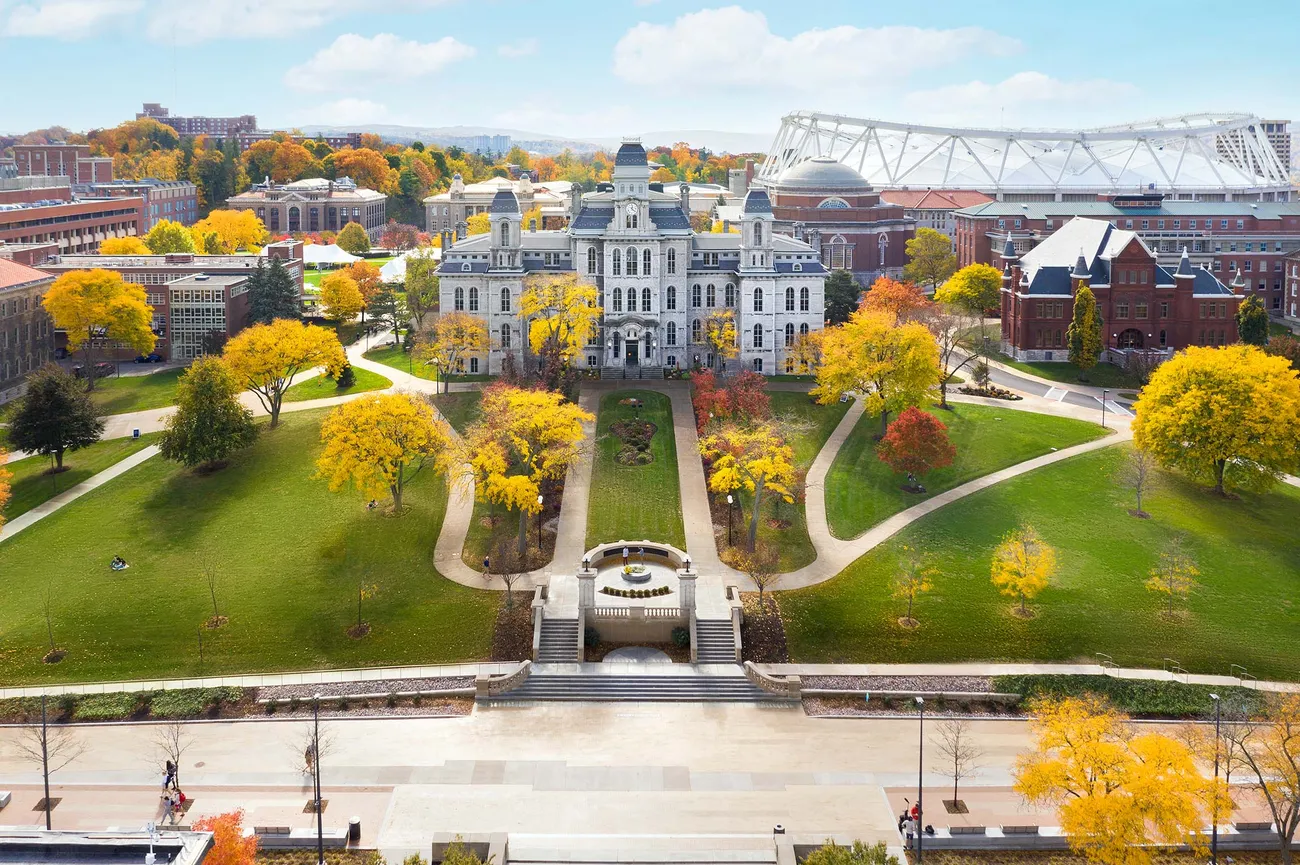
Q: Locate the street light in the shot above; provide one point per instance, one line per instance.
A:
(1214, 827)
(1103, 407)
(729, 501)
(539, 522)
(920, 790)
(315, 764)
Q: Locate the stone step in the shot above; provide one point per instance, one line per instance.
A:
(715, 642)
(649, 688)
(558, 641)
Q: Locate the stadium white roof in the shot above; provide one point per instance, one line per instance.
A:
(1196, 154)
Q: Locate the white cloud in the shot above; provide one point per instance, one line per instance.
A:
(191, 21)
(66, 19)
(344, 112)
(355, 62)
(1024, 98)
(735, 47)
(519, 48)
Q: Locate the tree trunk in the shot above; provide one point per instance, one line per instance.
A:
(395, 489)
(1219, 466)
(884, 422)
(88, 365)
(911, 598)
(359, 592)
(943, 391)
(58, 458)
(523, 535)
(1139, 495)
(275, 409)
(753, 518)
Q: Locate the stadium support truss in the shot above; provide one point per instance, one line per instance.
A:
(1186, 156)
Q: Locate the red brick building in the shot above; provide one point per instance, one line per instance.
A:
(1143, 305)
(72, 161)
(177, 200)
(935, 208)
(26, 332)
(834, 208)
(75, 226)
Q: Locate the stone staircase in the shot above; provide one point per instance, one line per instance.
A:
(559, 642)
(579, 687)
(715, 643)
(631, 372)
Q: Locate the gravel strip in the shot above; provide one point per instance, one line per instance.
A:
(852, 706)
(380, 688)
(949, 684)
(460, 706)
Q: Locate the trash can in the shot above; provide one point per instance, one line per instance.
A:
(354, 830)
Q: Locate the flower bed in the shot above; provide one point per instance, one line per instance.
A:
(636, 593)
(990, 391)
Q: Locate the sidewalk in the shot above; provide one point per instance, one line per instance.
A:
(44, 509)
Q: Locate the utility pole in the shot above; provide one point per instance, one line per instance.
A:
(315, 744)
(920, 789)
(1214, 828)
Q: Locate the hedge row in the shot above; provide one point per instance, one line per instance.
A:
(1133, 696)
(183, 703)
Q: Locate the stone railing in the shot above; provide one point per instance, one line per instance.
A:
(665, 612)
(610, 612)
(486, 685)
(789, 687)
(539, 602)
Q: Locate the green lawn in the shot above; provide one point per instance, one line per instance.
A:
(1245, 611)
(1102, 375)
(323, 386)
(814, 423)
(460, 409)
(122, 394)
(636, 501)
(288, 555)
(861, 490)
(392, 355)
(31, 485)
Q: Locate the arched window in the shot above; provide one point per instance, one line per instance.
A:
(505, 336)
(757, 364)
(758, 336)
(618, 344)
(672, 360)
(630, 221)
(803, 299)
(731, 294)
(695, 296)
(695, 330)
(618, 262)
(600, 298)
(758, 300)
(645, 300)
(789, 335)
(672, 260)
(473, 300)
(591, 260)
(505, 233)
(618, 300)
(645, 261)
(758, 233)
(711, 297)
(460, 299)
(833, 204)
(505, 300)
(803, 329)
(672, 295)
(789, 300)
(671, 332)
(631, 261)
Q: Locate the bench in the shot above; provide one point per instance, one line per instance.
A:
(332, 838)
(966, 830)
(270, 830)
(5, 797)
(1019, 830)
(1253, 827)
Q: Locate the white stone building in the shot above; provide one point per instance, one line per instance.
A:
(657, 279)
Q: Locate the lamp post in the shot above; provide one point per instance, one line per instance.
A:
(539, 522)
(729, 521)
(1214, 817)
(920, 790)
(437, 371)
(315, 765)
(1103, 407)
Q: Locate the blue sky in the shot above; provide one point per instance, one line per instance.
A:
(602, 69)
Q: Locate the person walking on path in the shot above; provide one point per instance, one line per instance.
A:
(169, 780)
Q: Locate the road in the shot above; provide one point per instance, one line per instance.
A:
(1083, 396)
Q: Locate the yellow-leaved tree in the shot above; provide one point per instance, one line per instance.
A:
(123, 246)
(1116, 791)
(265, 357)
(1174, 576)
(522, 438)
(1268, 748)
(168, 236)
(805, 354)
(341, 296)
(894, 366)
(720, 334)
(1023, 564)
(976, 287)
(454, 337)
(1222, 415)
(380, 442)
(479, 223)
(755, 459)
(532, 218)
(97, 308)
(561, 312)
(233, 229)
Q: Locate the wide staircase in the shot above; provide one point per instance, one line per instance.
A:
(715, 643)
(631, 373)
(590, 687)
(559, 642)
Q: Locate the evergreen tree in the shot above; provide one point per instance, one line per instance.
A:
(1252, 321)
(209, 423)
(272, 294)
(56, 415)
(842, 296)
(1084, 333)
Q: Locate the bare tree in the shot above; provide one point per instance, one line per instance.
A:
(761, 565)
(50, 748)
(959, 756)
(308, 752)
(950, 326)
(171, 741)
(1268, 748)
(209, 566)
(49, 618)
(510, 567)
(1140, 474)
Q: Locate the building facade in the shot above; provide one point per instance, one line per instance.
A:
(935, 208)
(449, 211)
(657, 280)
(75, 226)
(314, 205)
(177, 200)
(1223, 236)
(1291, 286)
(217, 127)
(26, 332)
(834, 209)
(72, 161)
(1144, 306)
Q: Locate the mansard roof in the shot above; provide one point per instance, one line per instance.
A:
(504, 201)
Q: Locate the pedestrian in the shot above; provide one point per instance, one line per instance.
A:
(169, 806)
(625, 557)
(487, 565)
(171, 780)
(909, 830)
(902, 819)
(916, 812)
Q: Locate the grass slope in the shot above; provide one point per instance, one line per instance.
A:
(1246, 610)
(861, 490)
(460, 409)
(635, 502)
(393, 356)
(288, 555)
(323, 386)
(31, 485)
(119, 395)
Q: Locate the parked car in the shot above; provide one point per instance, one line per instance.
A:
(149, 358)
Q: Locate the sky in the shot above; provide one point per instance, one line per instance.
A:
(588, 69)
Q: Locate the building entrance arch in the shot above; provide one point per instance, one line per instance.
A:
(1131, 338)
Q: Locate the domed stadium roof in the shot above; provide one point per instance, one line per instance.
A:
(821, 172)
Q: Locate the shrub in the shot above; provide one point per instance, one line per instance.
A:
(347, 378)
(1134, 696)
(392, 700)
(294, 703)
(343, 704)
(67, 704)
(271, 706)
(681, 637)
(187, 703)
(107, 707)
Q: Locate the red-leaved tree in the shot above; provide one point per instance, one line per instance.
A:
(747, 394)
(229, 846)
(743, 399)
(399, 236)
(917, 443)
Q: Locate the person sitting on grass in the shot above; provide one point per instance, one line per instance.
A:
(119, 564)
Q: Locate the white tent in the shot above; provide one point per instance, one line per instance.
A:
(315, 254)
(395, 270)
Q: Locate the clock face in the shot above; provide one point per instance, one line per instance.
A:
(631, 209)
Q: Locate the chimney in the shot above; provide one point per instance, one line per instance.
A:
(726, 226)
(462, 230)
(684, 193)
(575, 201)
(532, 224)
(749, 172)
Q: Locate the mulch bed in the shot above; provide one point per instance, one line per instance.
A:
(635, 434)
(512, 636)
(762, 635)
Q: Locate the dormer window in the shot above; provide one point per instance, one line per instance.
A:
(466, 267)
(798, 267)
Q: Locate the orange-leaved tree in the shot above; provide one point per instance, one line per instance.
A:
(230, 846)
(96, 308)
(367, 278)
(903, 300)
(265, 357)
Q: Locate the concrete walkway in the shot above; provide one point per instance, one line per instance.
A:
(44, 509)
